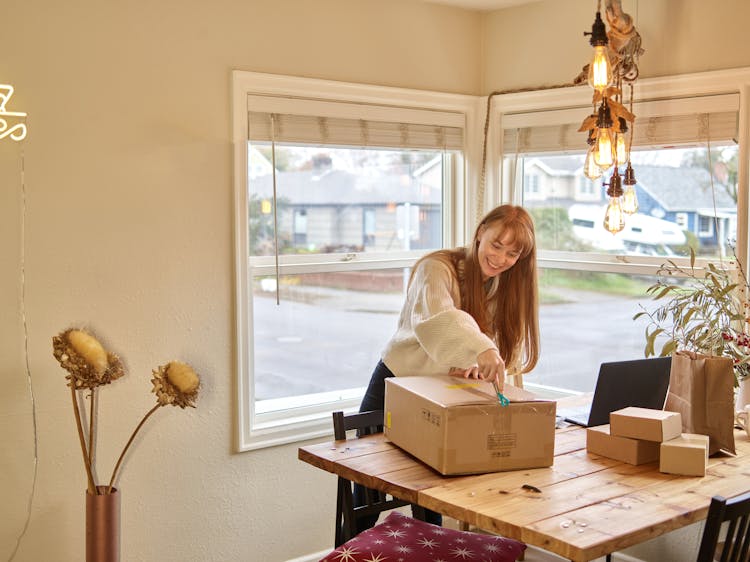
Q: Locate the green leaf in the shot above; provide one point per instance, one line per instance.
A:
(651, 341)
(668, 348)
(664, 292)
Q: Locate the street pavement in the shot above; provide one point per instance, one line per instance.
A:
(321, 339)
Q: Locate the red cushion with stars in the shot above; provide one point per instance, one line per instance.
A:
(403, 539)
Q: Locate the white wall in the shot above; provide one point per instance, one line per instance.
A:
(128, 195)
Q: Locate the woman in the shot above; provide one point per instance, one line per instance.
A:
(469, 312)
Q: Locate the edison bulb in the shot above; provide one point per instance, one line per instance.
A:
(590, 168)
(614, 217)
(604, 148)
(600, 69)
(629, 200)
(621, 148)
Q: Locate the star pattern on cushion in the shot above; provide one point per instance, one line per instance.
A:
(400, 538)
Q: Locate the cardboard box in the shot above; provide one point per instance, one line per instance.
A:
(686, 454)
(632, 451)
(457, 426)
(646, 424)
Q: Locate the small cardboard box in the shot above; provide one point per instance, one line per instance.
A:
(686, 455)
(632, 451)
(457, 426)
(645, 423)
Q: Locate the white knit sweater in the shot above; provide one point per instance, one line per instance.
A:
(434, 335)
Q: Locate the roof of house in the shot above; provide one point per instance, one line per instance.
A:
(559, 165)
(339, 187)
(683, 188)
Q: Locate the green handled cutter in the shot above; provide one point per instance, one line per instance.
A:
(500, 397)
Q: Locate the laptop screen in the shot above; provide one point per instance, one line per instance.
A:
(640, 382)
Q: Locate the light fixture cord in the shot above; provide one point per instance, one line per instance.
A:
(705, 121)
(516, 157)
(275, 204)
(632, 123)
(26, 359)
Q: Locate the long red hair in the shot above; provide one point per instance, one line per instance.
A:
(505, 307)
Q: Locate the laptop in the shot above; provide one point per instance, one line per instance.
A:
(640, 382)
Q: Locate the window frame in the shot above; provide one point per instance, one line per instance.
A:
(483, 189)
(255, 429)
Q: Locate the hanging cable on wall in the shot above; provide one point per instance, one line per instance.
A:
(27, 366)
(13, 126)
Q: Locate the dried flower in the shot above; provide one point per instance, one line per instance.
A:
(177, 384)
(174, 383)
(88, 364)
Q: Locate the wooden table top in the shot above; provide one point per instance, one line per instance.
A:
(586, 505)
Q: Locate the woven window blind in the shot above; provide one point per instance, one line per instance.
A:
(353, 125)
(658, 124)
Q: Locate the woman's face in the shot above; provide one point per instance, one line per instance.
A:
(496, 253)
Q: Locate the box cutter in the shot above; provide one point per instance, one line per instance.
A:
(500, 397)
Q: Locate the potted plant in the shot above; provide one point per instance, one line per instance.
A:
(703, 321)
(707, 312)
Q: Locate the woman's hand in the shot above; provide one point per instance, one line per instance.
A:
(491, 367)
(470, 373)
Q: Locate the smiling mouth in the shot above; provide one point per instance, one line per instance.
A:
(492, 265)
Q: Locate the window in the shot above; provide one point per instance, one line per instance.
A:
(368, 227)
(587, 189)
(685, 156)
(531, 183)
(339, 189)
(300, 228)
(681, 220)
(705, 226)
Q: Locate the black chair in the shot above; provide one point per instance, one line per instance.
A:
(347, 515)
(736, 545)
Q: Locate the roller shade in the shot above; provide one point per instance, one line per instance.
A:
(361, 125)
(681, 122)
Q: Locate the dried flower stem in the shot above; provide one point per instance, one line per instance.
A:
(127, 446)
(92, 487)
(92, 414)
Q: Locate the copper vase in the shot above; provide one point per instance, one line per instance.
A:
(103, 526)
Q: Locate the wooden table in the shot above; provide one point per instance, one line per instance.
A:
(587, 505)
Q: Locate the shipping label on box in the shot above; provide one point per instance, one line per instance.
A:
(686, 455)
(599, 441)
(645, 423)
(457, 426)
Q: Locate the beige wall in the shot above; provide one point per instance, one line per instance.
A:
(128, 194)
(129, 231)
(542, 44)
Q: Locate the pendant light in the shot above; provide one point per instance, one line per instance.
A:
(613, 64)
(629, 197)
(614, 217)
(600, 67)
(605, 143)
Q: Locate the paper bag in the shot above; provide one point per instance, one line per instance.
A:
(701, 389)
